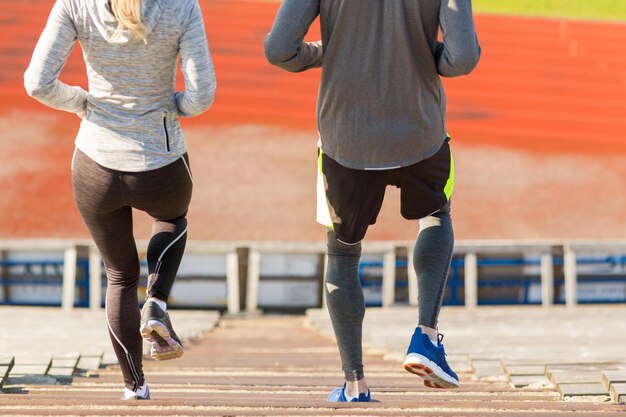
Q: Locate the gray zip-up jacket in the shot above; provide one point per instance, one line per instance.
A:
(131, 109)
(381, 103)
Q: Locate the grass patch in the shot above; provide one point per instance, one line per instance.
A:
(580, 9)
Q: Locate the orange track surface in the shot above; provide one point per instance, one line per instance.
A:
(543, 87)
(542, 84)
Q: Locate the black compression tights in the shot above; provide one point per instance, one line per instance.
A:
(105, 199)
(344, 297)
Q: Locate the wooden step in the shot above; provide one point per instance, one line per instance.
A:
(277, 366)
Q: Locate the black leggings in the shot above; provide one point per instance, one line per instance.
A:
(105, 198)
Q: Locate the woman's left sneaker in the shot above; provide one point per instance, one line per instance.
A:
(156, 328)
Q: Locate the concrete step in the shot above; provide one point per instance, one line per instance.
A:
(583, 390)
(614, 377)
(615, 382)
(525, 374)
(6, 363)
(31, 365)
(488, 369)
(572, 376)
(618, 393)
(89, 362)
(64, 366)
(583, 380)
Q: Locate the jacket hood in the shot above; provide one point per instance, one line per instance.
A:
(105, 21)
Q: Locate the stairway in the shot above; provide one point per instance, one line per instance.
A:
(279, 366)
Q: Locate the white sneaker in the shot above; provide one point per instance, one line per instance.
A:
(142, 393)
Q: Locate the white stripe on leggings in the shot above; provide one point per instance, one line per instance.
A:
(159, 262)
(170, 245)
(111, 330)
(187, 166)
(129, 358)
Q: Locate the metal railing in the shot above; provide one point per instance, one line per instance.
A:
(470, 250)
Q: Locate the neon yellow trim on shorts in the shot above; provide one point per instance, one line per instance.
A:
(450, 184)
(323, 211)
(319, 161)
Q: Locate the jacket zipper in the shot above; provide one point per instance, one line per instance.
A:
(167, 135)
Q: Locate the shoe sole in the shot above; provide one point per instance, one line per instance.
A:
(162, 346)
(433, 375)
(135, 398)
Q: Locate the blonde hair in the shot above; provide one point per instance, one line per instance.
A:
(128, 14)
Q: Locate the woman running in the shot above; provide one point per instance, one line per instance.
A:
(130, 150)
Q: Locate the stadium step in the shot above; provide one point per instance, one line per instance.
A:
(6, 364)
(615, 382)
(277, 366)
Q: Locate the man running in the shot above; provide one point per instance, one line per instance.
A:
(381, 119)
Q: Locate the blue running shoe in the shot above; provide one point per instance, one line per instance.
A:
(429, 362)
(338, 395)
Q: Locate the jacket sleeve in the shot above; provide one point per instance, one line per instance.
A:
(460, 52)
(54, 46)
(197, 68)
(285, 46)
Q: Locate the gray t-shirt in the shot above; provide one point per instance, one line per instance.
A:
(131, 109)
(381, 103)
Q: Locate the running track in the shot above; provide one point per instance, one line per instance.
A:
(542, 85)
(540, 122)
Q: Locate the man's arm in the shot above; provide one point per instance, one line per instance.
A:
(285, 46)
(460, 52)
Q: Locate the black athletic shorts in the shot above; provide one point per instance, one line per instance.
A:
(349, 200)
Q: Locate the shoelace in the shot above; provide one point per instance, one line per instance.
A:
(440, 340)
(441, 353)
